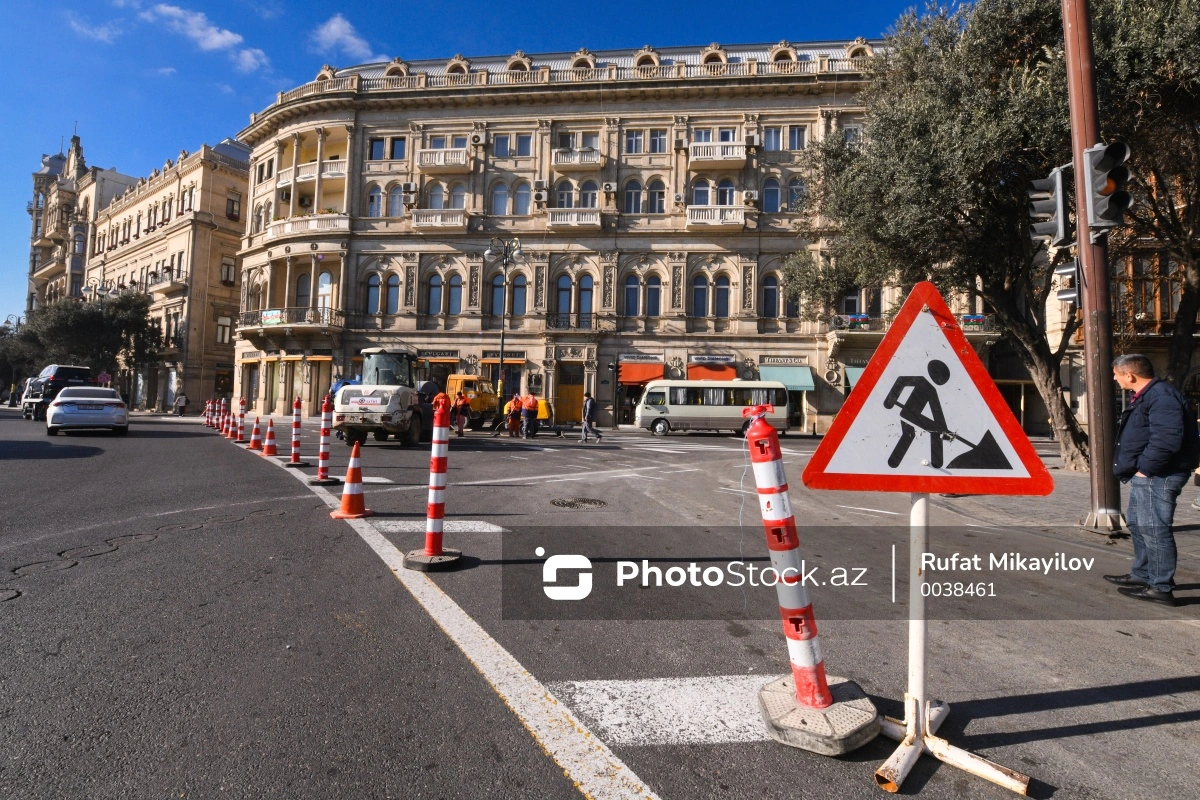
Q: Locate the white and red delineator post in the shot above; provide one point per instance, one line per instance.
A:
(323, 478)
(807, 709)
(208, 413)
(295, 462)
(241, 425)
(435, 557)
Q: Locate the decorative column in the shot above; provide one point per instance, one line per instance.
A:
(287, 285)
(312, 282)
(320, 166)
(270, 298)
(295, 165)
(352, 164)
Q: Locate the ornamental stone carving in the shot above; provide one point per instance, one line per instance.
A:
(539, 287)
(410, 286)
(747, 287)
(474, 293)
(609, 277)
(677, 287)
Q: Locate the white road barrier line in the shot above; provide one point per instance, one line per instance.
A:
(876, 510)
(448, 526)
(722, 709)
(595, 769)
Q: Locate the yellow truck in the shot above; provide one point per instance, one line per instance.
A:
(485, 406)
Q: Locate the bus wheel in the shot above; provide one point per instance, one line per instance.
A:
(660, 427)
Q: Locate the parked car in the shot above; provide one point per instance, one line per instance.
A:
(53, 379)
(87, 407)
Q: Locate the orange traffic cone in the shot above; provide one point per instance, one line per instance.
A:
(269, 448)
(255, 437)
(353, 506)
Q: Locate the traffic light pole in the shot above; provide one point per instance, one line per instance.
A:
(1105, 514)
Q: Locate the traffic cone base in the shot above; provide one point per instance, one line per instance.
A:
(835, 730)
(422, 562)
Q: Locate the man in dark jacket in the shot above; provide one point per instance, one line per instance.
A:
(1157, 449)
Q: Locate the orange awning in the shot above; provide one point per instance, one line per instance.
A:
(711, 372)
(639, 373)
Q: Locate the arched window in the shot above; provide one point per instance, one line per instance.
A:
(563, 304)
(499, 200)
(653, 296)
(497, 296)
(396, 202)
(303, 290)
(393, 294)
(458, 196)
(325, 290)
(721, 298)
(725, 192)
(632, 292)
(700, 296)
(521, 200)
(585, 299)
(633, 198)
(770, 196)
(79, 239)
(518, 296)
(588, 195)
(454, 304)
(373, 294)
(565, 197)
(656, 197)
(797, 193)
(700, 193)
(437, 196)
(433, 303)
(770, 297)
(375, 202)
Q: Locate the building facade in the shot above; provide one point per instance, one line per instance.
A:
(67, 195)
(652, 192)
(175, 235)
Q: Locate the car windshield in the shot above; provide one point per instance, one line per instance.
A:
(90, 394)
(387, 369)
(485, 387)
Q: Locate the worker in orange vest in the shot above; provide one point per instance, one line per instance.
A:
(529, 414)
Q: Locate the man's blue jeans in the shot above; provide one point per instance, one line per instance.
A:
(1150, 514)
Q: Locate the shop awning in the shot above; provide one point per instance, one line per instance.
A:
(629, 374)
(497, 361)
(852, 375)
(796, 379)
(441, 360)
(712, 372)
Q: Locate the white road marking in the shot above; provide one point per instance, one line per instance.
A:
(677, 471)
(595, 769)
(523, 458)
(734, 491)
(669, 711)
(449, 526)
(876, 510)
(372, 479)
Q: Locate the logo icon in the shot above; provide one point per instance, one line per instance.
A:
(565, 562)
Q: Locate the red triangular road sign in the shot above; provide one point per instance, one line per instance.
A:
(926, 417)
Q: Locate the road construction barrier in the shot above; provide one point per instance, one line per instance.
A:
(208, 413)
(807, 709)
(434, 556)
(295, 461)
(353, 505)
(241, 426)
(255, 437)
(223, 417)
(231, 429)
(226, 416)
(323, 478)
(269, 448)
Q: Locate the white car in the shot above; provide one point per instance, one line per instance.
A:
(87, 407)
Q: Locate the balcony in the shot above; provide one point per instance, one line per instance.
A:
(566, 160)
(571, 322)
(165, 284)
(323, 319)
(171, 345)
(308, 172)
(708, 217)
(865, 323)
(439, 219)
(577, 218)
(315, 224)
(449, 161)
(703, 155)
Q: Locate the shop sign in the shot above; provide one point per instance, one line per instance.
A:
(641, 358)
(507, 354)
(797, 360)
(438, 354)
(712, 359)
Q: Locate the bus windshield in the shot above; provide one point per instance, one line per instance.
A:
(387, 369)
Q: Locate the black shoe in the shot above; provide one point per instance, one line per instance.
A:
(1149, 593)
(1125, 580)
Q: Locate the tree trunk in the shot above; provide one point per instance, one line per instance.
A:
(1179, 353)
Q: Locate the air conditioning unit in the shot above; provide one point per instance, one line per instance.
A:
(409, 187)
(609, 186)
(750, 195)
(410, 198)
(305, 201)
(539, 197)
(678, 199)
(285, 195)
(478, 138)
(539, 186)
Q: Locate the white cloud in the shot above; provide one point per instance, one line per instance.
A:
(225, 88)
(107, 32)
(196, 26)
(337, 35)
(168, 71)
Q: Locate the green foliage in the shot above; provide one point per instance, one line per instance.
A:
(105, 336)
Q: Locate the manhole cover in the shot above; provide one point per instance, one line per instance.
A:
(580, 503)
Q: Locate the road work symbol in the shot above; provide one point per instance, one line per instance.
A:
(924, 395)
(925, 416)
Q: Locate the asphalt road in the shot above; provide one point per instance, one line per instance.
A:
(190, 622)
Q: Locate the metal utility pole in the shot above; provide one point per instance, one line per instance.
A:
(1105, 514)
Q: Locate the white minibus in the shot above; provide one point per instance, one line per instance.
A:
(682, 405)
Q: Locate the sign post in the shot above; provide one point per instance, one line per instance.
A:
(926, 417)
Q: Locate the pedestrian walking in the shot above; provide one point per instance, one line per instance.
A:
(529, 413)
(181, 402)
(1157, 448)
(589, 418)
(461, 412)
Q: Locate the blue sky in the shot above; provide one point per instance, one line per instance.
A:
(145, 79)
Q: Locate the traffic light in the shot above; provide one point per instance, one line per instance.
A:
(1048, 210)
(1067, 272)
(1106, 176)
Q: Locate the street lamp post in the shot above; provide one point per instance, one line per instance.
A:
(504, 251)
(14, 321)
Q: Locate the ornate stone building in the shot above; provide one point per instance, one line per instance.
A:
(175, 235)
(651, 191)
